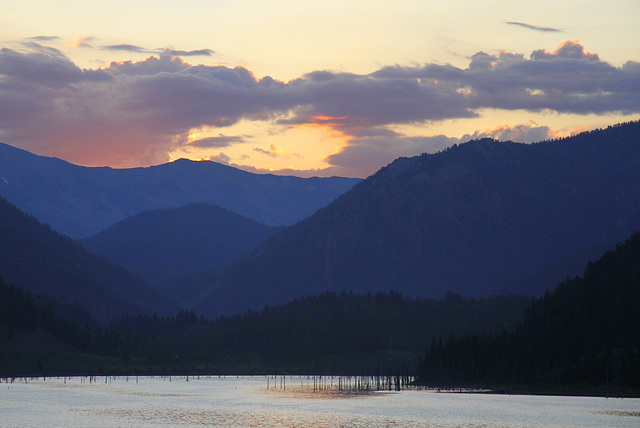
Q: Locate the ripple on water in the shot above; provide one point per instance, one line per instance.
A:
(237, 418)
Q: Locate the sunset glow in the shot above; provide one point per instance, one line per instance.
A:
(300, 89)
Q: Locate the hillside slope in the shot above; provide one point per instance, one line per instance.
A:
(583, 337)
(479, 218)
(46, 263)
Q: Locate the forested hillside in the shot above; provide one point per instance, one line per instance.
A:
(480, 218)
(325, 334)
(46, 263)
(585, 334)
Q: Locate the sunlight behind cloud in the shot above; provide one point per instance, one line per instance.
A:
(327, 84)
(267, 146)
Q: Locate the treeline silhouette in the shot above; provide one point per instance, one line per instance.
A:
(330, 333)
(585, 335)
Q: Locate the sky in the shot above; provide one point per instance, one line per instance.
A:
(313, 88)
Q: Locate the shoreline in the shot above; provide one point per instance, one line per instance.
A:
(333, 384)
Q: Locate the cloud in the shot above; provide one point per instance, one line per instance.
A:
(163, 63)
(44, 38)
(523, 133)
(38, 48)
(166, 51)
(354, 101)
(134, 113)
(534, 27)
(262, 151)
(568, 80)
(198, 52)
(571, 49)
(126, 48)
(128, 114)
(364, 155)
(219, 141)
(277, 152)
(82, 42)
(220, 158)
(44, 68)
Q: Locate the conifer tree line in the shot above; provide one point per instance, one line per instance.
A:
(585, 333)
(379, 334)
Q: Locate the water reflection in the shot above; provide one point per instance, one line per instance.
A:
(236, 418)
(246, 402)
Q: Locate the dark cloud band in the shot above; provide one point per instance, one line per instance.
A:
(218, 142)
(139, 49)
(125, 48)
(534, 27)
(44, 38)
(198, 52)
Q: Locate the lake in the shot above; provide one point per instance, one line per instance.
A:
(289, 402)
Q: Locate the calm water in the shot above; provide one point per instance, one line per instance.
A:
(246, 402)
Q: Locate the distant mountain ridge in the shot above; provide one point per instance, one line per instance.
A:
(46, 263)
(81, 201)
(164, 244)
(479, 218)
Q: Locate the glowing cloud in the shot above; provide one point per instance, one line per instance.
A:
(81, 42)
(136, 113)
(277, 152)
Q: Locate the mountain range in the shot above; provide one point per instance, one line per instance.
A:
(81, 201)
(479, 218)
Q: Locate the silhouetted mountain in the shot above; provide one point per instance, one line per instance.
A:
(81, 202)
(164, 244)
(479, 218)
(46, 263)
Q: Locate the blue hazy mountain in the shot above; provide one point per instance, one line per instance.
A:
(46, 263)
(80, 201)
(164, 244)
(479, 218)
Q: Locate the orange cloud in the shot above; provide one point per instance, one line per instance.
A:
(327, 122)
(81, 42)
(277, 152)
